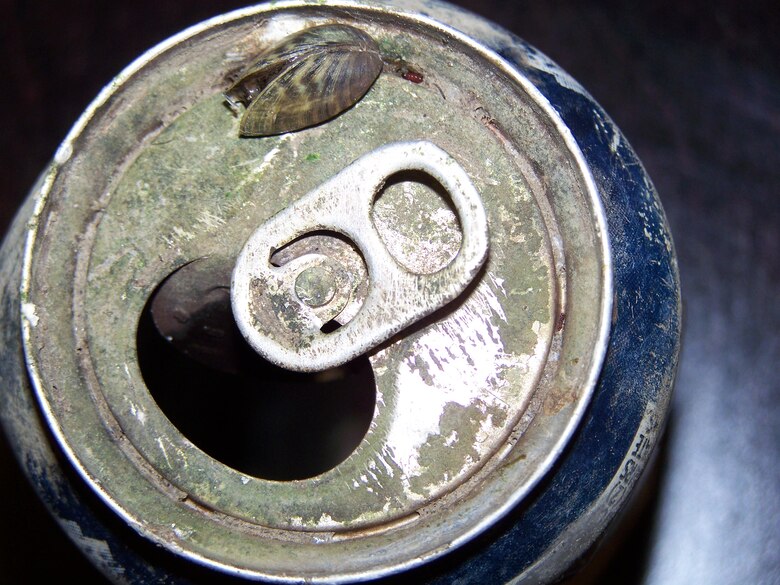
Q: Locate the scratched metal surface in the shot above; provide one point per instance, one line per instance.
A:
(696, 89)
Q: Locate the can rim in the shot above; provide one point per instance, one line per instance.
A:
(65, 151)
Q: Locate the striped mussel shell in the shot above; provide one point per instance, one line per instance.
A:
(308, 78)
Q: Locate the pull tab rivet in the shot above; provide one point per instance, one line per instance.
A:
(316, 286)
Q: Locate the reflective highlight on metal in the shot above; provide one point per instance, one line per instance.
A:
(517, 416)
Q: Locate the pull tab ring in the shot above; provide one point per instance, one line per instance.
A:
(281, 310)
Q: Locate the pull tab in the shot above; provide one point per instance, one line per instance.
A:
(283, 310)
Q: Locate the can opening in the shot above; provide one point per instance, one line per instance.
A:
(259, 419)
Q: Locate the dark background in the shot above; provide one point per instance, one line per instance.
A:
(695, 86)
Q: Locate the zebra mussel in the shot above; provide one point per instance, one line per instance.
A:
(308, 78)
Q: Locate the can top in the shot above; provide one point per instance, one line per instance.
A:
(473, 403)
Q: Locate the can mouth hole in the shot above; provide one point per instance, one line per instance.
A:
(417, 222)
(257, 418)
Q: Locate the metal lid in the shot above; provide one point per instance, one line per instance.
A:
(472, 404)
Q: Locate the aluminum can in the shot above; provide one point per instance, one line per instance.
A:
(339, 291)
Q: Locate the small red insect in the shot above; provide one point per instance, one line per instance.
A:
(413, 76)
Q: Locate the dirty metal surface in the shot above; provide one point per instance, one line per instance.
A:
(472, 406)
